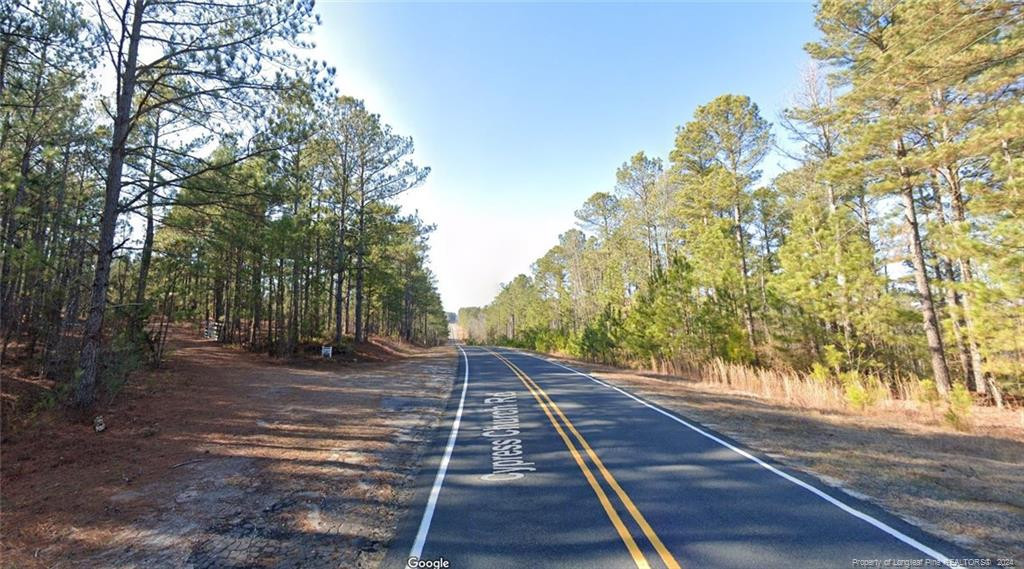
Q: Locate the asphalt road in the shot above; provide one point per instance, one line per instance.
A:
(539, 465)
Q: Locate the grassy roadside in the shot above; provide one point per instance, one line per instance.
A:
(965, 486)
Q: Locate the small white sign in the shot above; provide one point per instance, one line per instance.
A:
(326, 351)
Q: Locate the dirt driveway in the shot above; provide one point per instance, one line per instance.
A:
(227, 459)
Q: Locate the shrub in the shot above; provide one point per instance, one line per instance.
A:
(819, 373)
(861, 392)
(958, 414)
(928, 394)
(128, 349)
(834, 358)
(856, 395)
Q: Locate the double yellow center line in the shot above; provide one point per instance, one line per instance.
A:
(551, 410)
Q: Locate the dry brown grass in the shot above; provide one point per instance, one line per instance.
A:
(770, 384)
(905, 396)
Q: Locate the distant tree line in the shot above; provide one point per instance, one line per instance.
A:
(894, 249)
(163, 160)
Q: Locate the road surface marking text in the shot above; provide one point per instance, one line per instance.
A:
(506, 453)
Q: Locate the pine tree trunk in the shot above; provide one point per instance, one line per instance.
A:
(748, 312)
(310, 305)
(236, 304)
(348, 299)
(293, 312)
(279, 323)
(360, 331)
(341, 260)
(59, 297)
(218, 299)
(147, 245)
(257, 303)
(271, 314)
(837, 261)
(977, 378)
(956, 312)
(339, 308)
(931, 323)
(293, 308)
(954, 307)
(983, 382)
(85, 391)
(407, 316)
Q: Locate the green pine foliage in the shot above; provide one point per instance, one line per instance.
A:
(220, 178)
(893, 250)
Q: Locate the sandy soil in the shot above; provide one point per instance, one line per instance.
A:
(967, 487)
(226, 458)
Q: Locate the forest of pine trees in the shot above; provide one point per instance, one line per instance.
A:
(179, 161)
(894, 248)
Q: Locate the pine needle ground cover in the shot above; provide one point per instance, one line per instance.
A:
(227, 458)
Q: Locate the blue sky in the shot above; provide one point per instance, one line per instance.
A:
(523, 110)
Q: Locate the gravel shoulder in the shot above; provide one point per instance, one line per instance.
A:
(228, 459)
(965, 487)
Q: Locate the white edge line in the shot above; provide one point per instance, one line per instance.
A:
(848, 509)
(442, 469)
